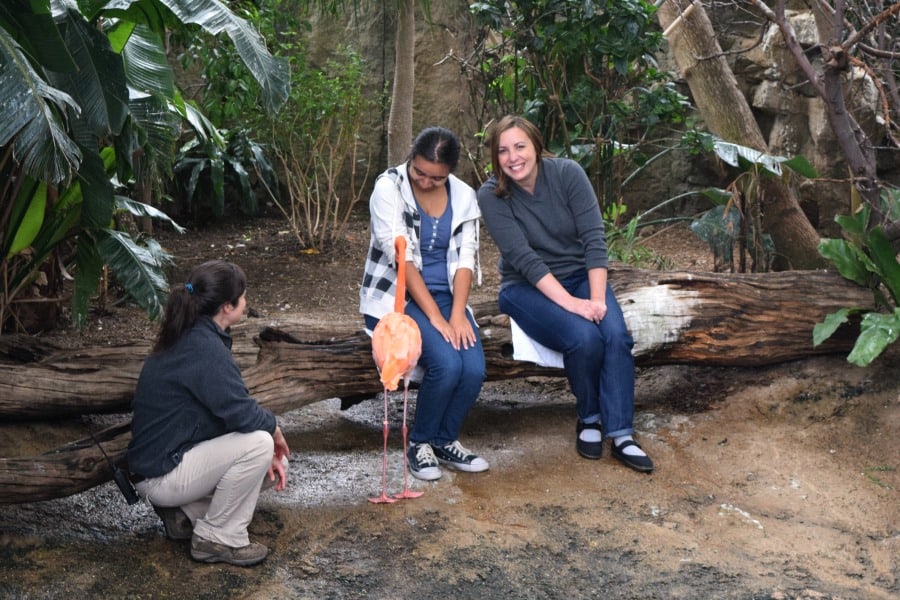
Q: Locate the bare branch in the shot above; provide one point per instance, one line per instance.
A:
(872, 24)
(877, 52)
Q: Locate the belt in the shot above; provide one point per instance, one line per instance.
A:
(135, 478)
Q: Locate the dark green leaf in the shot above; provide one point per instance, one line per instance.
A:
(719, 196)
(885, 259)
(99, 83)
(87, 278)
(138, 270)
(139, 209)
(877, 332)
(800, 165)
(146, 65)
(851, 263)
(31, 118)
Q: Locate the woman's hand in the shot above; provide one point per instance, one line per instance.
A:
(444, 328)
(464, 335)
(592, 310)
(279, 460)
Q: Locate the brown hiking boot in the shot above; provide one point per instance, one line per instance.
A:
(203, 550)
(175, 522)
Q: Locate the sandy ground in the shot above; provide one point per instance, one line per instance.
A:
(774, 482)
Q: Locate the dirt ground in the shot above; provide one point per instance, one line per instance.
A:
(775, 482)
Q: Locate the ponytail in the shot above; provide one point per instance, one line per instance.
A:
(209, 287)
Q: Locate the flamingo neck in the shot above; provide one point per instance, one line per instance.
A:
(400, 297)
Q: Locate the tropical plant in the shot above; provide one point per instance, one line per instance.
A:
(624, 243)
(313, 141)
(865, 256)
(736, 218)
(90, 101)
(204, 171)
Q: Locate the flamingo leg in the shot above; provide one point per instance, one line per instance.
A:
(384, 498)
(406, 493)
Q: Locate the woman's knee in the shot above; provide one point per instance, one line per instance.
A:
(444, 365)
(587, 341)
(619, 338)
(259, 443)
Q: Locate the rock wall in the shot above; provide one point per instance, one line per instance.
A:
(443, 92)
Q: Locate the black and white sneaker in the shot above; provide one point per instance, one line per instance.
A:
(456, 456)
(422, 463)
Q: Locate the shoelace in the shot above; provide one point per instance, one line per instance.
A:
(458, 450)
(424, 455)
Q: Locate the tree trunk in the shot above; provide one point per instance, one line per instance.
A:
(675, 317)
(727, 114)
(400, 118)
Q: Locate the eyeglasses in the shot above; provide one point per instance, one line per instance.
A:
(423, 175)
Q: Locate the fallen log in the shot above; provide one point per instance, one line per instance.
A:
(64, 471)
(675, 318)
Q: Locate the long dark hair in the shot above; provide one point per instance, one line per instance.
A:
(438, 145)
(208, 287)
(533, 133)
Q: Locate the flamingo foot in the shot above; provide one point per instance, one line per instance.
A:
(382, 499)
(407, 493)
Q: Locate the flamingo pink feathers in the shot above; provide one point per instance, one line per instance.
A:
(396, 348)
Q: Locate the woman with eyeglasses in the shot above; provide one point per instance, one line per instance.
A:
(438, 214)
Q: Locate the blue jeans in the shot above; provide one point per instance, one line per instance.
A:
(452, 378)
(596, 356)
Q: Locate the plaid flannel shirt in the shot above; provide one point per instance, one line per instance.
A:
(393, 211)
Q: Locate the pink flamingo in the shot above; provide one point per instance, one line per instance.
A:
(396, 348)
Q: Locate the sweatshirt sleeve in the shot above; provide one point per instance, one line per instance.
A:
(386, 209)
(468, 250)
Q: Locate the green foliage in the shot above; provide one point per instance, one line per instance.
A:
(866, 257)
(316, 139)
(626, 246)
(736, 220)
(204, 171)
(90, 101)
(583, 72)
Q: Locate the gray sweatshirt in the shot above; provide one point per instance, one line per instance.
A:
(558, 229)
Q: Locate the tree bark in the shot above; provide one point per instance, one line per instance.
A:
(727, 114)
(401, 113)
(675, 317)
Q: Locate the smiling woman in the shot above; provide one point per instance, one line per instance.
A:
(544, 217)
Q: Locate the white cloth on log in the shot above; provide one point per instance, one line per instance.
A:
(527, 349)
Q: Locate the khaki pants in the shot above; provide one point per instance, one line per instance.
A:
(217, 485)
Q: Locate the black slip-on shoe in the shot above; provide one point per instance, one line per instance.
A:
(592, 450)
(638, 463)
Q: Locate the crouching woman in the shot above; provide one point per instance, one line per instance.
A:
(201, 446)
